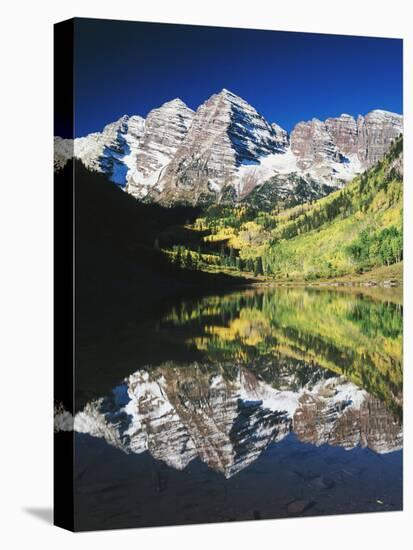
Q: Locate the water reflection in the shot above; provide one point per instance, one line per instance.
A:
(343, 332)
(248, 368)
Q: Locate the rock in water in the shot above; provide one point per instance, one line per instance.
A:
(299, 506)
(321, 483)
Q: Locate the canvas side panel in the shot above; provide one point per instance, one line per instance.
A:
(63, 272)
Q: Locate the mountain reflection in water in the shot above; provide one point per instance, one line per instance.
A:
(246, 369)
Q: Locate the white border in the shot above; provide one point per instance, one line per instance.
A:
(26, 268)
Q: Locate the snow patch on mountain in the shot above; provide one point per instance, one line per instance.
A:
(285, 401)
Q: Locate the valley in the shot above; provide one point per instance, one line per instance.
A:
(342, 237)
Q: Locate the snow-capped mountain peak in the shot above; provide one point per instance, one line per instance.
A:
(226, 149)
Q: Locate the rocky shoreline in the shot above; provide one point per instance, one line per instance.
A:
(388, 283)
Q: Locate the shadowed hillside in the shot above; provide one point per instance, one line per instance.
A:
(117, 250)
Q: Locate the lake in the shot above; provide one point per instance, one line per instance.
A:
(255, 404)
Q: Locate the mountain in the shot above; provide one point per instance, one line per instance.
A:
(131, 151)
(226, 150)
(325, 155)
(226, 134)
(178, 414)
(342, 145)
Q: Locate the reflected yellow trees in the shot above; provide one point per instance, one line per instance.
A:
(347, 333)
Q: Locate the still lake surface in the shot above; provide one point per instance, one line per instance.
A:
(261, 403)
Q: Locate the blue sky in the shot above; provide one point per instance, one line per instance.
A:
(131, 68)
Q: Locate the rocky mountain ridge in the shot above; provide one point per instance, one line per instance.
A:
(226, 150)
(180, 414)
